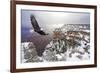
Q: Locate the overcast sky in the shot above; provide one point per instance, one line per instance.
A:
(48, 20)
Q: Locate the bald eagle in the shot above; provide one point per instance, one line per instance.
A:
(36, 26)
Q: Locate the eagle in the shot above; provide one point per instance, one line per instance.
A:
(36, 26)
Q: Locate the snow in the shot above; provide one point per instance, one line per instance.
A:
(60, 49)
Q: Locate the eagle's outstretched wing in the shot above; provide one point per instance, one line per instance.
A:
(36, 26)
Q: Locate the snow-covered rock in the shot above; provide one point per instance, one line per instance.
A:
(28, 52)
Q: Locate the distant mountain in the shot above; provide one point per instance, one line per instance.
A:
(75, 27)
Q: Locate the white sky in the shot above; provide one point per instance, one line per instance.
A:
(48, 20)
